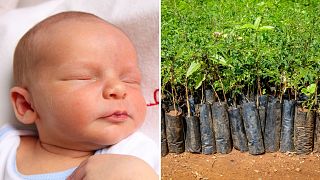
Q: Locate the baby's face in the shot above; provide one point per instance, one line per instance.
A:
(87, 89)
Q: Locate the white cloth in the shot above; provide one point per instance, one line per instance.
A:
(136, 144)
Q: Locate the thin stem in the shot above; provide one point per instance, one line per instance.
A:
(316, 93)
(187, 97)
(216, 94)
(289, 92)
(281, 93)
(173, 91)
(259, 93)
(202, 96)
(224, 94)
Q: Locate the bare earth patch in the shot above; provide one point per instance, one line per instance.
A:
(237, 165)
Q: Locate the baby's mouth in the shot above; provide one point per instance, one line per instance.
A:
(117, 116)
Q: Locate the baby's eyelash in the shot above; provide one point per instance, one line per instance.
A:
(79, 78)
(132, 81)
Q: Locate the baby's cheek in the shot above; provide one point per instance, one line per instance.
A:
(71, 105)
(141, 107)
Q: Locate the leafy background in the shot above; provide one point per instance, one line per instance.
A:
(239, 47)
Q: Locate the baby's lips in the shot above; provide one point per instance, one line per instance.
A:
(116, 116)
(114, 113)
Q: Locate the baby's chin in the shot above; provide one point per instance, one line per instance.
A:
(108, 141)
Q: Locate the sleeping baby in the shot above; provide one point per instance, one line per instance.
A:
(76, 78)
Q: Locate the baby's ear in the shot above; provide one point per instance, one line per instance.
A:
(22, 105)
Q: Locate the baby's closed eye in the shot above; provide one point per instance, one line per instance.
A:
(132, 77)
(78, 78)
(131, 80)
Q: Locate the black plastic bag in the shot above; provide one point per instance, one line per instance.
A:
(303, 130)
(193, 137)
(164, 145)
(262, 110)
(286, 142)
(209, 96)
(317, 133)
(192, 106)
(263, 101)
(239, 138)
(273, 126)
(253, 128)
(174, 132)
(206, 129)
(197, 110)
(221, 127)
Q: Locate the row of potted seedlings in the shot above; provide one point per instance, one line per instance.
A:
(262, 126)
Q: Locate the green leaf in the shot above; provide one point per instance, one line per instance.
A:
(247, 26)
(304, 91)
(257, 22)
(217, 59)
(312, 88)
(199, 80)
(266, 28)
(193, 68)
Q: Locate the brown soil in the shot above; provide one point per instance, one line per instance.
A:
(174, 113)
(237, 165)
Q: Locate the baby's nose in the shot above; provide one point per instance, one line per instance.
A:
(115, 91)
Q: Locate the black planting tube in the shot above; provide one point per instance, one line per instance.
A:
(174, 132)
(206, 129)
(193, 137)
(253, 128)
(263, 100)
(286, 143)
(221, 127)
(192, 106)
(262, 110)
(164, 145)
(238, 134)
(197, 110)
(262, 117)
(209, 96)
(317, 133)
(273, 126)
(303, 130)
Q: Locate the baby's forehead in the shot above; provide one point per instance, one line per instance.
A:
(74, 27)
(68, 22)
(67, 35)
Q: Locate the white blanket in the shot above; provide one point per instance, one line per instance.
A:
(137, 145)
(139, 19)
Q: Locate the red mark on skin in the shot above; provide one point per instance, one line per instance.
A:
(155, 98)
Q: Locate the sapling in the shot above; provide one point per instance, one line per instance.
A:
(194, 67)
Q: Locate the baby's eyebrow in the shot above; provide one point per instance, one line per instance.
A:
(77, 64)
(134, 71)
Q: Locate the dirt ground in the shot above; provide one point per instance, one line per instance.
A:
(237, 165)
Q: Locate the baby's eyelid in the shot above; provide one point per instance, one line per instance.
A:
(133, 81)
(79, 78)
(132, 78)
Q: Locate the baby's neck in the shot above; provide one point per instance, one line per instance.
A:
(62, 151)
(35, 157)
